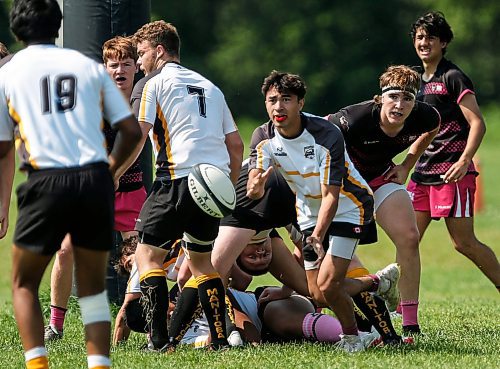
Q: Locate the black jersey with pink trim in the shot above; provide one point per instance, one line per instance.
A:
(131, 180)
(444, 91)
(370, 149)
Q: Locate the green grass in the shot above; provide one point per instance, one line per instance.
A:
(460, 310)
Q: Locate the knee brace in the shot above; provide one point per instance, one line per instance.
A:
(95, 308)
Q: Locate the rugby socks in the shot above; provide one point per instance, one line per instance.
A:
(321, 328)
(350, 331)
(229, 316)
(98, 362)
(374, 309)
(57, 315)
(364, 325)
(233, 335)
(409, 309)
(186, 311)
(212, 298)
(36, 358)
(154, 292)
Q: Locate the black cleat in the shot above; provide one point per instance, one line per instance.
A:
(411, 330)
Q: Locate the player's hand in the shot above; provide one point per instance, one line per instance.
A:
(256, 185)
(317, 245)
(457, 171)
(4, 222)
(397, 174)
(273, 293)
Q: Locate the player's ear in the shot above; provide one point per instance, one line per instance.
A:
(301, 103)
(160, 51)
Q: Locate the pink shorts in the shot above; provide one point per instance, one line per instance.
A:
(127, 208)
(448, 200)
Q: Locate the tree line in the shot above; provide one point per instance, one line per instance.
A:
(339, 47)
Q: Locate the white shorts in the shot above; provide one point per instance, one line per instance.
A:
(384, 191)
(342, 247)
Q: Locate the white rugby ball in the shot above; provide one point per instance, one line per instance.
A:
(212, 190)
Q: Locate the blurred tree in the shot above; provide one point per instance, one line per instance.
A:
(5, 35)
(340, 48)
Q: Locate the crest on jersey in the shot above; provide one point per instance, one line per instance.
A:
(280, 151)
(309, 152)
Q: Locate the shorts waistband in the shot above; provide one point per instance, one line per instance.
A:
(65, 170)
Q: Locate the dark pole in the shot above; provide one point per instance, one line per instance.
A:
(87, 24)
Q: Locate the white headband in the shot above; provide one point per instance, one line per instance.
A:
(394, 89)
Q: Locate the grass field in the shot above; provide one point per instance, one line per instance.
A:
(460, 309)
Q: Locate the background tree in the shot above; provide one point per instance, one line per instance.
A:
(338, 47)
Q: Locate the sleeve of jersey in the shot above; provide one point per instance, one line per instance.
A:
(147, 108)
(6, 127)
(228, 124)
(116, 108)
(260, 155)
(458, 84)
(332, 161)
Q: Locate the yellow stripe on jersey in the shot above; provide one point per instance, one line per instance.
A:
(22, 140)
(357, 203)
(152, 273)
(168, 144)
(142, 106)
(327, 167)
(356, 182)
(351, 196)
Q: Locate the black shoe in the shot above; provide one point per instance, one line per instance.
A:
(411, 329)
(218, 347)
(168, 348)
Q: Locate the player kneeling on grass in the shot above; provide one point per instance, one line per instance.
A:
(70, 186)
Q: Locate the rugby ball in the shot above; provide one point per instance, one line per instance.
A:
(212, 190)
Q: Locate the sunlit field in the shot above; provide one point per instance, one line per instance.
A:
(459, 308)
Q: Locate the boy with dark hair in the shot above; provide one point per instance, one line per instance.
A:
(58, 130)
(334, 203)
(443, 184)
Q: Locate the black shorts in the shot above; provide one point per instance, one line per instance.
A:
(54, 202)
(169, 211)
(365, 233)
